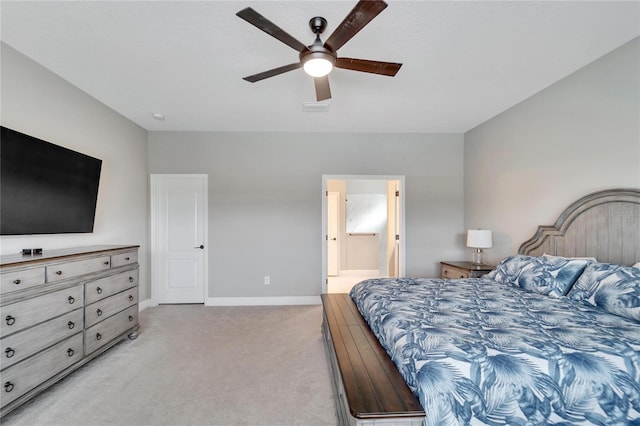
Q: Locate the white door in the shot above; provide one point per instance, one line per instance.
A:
(179, 215)
(398, 231)
(333, 214)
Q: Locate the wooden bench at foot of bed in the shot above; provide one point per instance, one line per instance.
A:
(369, 389)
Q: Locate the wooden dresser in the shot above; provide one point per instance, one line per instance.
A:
(59, 310)
(454, 270)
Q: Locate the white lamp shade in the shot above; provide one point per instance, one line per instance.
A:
(479, 238)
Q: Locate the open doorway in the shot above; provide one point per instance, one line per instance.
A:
(363, 230)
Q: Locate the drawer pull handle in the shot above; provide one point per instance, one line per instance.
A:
(99, 290)
(9, 352)
(130, 298)
(130, 317)
(106, 262)
(98, 336)
(16, 282)
(71, 300)
(8, 386)
(70, 352)
(127, 258)
(130, 279)
(58, 272)
(71, 324)
(99, 312)
(10, 320)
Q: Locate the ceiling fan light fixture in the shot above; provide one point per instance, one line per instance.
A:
(319, 59)
(318, 67)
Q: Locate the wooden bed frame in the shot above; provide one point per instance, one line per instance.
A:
(368, 388)
(604, 225)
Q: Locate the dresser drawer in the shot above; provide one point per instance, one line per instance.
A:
(124, 259)
(104, 308)
(63, 271)
(105, 287)
(17, 280)
(26, 375)
(450, 272)
(109, 329)
(21, 345)
(20, 315)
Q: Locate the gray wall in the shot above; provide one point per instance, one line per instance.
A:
(37, 102)
(265, 199)
(580, 135)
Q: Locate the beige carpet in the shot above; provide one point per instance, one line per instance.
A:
(195, 365)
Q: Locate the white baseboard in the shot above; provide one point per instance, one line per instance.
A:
(144, 304)
(263, 301)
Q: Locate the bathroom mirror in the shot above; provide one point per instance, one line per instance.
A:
(366, 213)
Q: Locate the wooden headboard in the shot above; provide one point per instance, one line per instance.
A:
(604, 225)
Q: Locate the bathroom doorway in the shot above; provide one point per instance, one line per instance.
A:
(363, 230)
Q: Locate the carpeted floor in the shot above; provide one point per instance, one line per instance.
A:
(195, 365)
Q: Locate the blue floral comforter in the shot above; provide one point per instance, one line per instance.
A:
(475, 351)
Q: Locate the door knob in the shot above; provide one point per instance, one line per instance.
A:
(200, 247)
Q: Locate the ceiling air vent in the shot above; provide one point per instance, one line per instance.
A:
(315, 107)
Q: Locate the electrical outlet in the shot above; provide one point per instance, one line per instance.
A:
(267, 280)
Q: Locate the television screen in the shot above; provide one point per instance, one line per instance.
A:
(45, 188)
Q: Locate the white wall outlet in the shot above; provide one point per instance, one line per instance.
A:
(267, 280)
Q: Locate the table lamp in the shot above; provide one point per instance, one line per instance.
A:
(479, 239)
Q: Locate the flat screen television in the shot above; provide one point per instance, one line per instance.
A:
(45, 188)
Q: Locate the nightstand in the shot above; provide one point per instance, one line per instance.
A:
(454, 270)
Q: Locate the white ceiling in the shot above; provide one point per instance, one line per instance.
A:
(463, 62)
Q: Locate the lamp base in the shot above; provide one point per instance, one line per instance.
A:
(478, 257)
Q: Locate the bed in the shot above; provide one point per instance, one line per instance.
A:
(550, 336)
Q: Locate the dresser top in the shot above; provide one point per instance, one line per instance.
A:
(47, 255)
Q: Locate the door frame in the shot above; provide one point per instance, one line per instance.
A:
(335, 212)
(401, 179)
(154, 191)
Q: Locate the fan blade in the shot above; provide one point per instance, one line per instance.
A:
(376, 67)
(262, 23)
(360, 15)
(272, 73)
(323, 91)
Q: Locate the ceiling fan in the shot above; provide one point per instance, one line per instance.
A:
(318, 59)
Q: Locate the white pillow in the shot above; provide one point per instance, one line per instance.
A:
(637, 265)
(592, 259)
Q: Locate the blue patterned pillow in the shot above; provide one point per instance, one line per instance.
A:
(549, 275)
(614, 288)
(507, 271)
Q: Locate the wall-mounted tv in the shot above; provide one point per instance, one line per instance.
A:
(45, 188)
